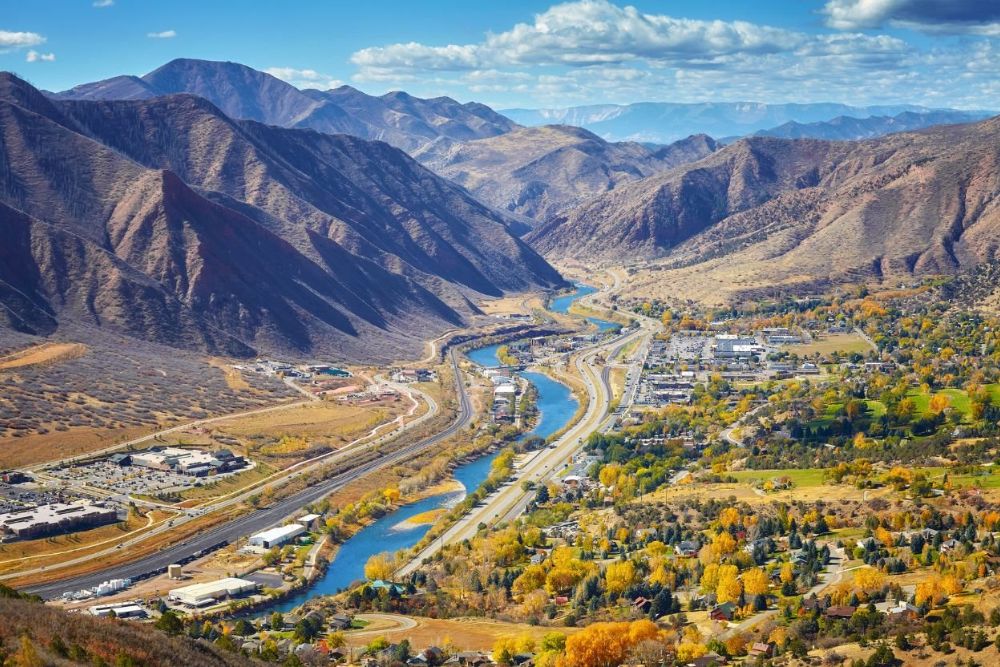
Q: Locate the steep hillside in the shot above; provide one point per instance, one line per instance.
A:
(242, 92)
(763, 210)
(32, 633)
(167, 220)
(536, 172)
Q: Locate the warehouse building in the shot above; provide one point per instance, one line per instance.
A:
(275, 537)
(202, 595)
(55, 519)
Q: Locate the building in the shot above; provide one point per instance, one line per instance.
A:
(275, 537)
(175, 571)
(120, 610)
(54, 519)
(201, 595)
(195, 462)
(728, 346)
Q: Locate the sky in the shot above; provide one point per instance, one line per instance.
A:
(531, 54)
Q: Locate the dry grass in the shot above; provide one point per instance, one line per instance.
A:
(510, 304)
(234, 379)
(842, 342)
(41, 447)
(745, 493)
(46, 353)
(469, 634)
(325, 420)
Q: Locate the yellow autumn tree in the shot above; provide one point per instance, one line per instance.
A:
(380, 566)
(619, 576)
(602, 644)
(755, 581)
(729, 587)
(868, 580)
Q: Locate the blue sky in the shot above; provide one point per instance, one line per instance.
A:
(528, 53)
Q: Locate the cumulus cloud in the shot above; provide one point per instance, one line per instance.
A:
(11, 41)
(304, 78)
(588, 32)
(165, 34)
(103, 3)
(34, 56)
(590, 51)
(936, 16)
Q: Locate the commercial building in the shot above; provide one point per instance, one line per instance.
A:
(728, 346)
(201, 595)
(120, 610)
(275, 537)
(194, 462)
(54, 519)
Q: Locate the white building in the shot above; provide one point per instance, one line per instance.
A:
(121, 610)
(200, 595)
(275, 537)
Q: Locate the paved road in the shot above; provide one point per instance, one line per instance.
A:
(262, 518)
(511, 500)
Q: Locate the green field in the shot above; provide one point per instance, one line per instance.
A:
(801, 478)
(958, 397)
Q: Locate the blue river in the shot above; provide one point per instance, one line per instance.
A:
(561, 305)
(556, 405)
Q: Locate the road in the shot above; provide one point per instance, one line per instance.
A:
(829, 577)
(262, 518)
(510, 501)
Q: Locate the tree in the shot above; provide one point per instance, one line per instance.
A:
(602, 644)
(619, 576)
(243, 628)
(336, 639)
(277, 621)
(26, 655)
(380, 566)
(170, 623)
(755, 581)
(729, 588)
(938, 404)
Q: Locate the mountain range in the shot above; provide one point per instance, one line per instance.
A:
(767, 210)
(849, 128)
(665, 122)
(165, 219)
(535, 172)
(242, 92)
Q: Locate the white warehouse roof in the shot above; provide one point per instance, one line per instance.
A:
(199, 594)
(278, 535)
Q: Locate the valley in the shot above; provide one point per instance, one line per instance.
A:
(606, 337)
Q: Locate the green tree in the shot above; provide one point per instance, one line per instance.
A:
(170, 623)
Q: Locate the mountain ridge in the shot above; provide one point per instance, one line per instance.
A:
(168, 213)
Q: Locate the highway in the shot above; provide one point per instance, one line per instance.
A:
(510, 501)
(262, 518)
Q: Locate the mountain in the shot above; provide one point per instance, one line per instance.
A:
(166, 220)
(664, 122)
(242, 92)
(765, 210)
(535, 172)
(847, 128)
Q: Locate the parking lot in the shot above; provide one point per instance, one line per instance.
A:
(17, 498)
(126, 480)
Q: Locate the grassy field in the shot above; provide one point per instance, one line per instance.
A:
(228, 484)
(468, 634)
(804, 478)
(959, 401)
(847, 343)
(325, 420)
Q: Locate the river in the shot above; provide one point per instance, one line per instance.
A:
(392, 532)
(561, 305)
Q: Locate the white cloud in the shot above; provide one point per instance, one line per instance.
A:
(34, 56)
(980, 17)
(166, 34)
(11, 41)
(103, 3)
(304, 78)
(588, 32)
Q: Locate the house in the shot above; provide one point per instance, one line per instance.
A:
(708, 660)
(761, 650)
(381, 585)
(642, 604)
(469, 659)
(840, 611)
(688, 549)
(339, 622)
(814, 603)
(723, 612)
